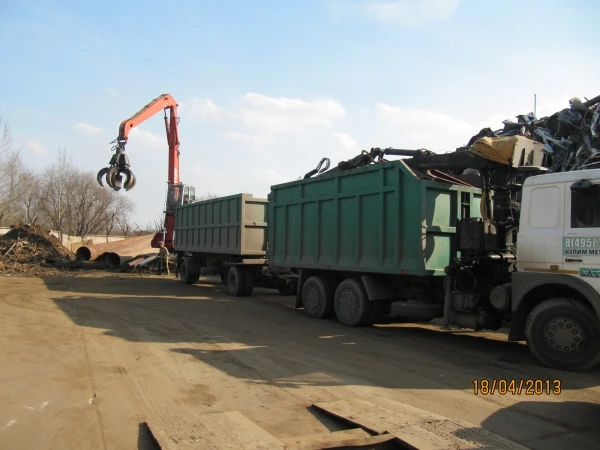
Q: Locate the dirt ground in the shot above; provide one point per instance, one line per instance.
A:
(87, 359)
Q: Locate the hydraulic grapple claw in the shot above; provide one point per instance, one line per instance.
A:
(118, 175)
(101, 174)
(117, 179)
(130, 183)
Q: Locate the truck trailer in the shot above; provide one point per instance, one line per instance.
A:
(227, 236)
(519, 247)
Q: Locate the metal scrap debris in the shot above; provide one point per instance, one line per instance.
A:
(570, 136)
(571, 140)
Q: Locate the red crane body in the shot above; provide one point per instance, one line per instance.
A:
(119, 164)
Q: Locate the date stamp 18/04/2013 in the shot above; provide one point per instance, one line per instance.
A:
(526, 386)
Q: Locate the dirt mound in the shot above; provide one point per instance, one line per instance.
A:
(31, 250)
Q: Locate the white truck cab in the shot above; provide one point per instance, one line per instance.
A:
(556, 286)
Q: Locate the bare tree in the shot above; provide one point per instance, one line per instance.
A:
(74, 204)
(119, 215)
(28, 200)
(11, 165)
(54, 199)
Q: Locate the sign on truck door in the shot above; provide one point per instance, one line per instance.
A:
(581, 240)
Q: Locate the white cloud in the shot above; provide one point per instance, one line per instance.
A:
(86, 128)
(148, 138)
(419, 128)
(205, 108)
(286, 115)
(347, 142)
(37, 148)
(260, 116)
(418, 118)
(111, 91)
(246, 137)
(408, 13)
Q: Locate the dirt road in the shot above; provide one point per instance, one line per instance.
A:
(87, 359)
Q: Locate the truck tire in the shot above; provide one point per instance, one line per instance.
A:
(352, 306)
(564, 333)
(250, 278)
(317, 297)
(236, 281)
(187, 272)
(224, 275)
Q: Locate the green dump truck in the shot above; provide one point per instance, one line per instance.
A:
(378, 232)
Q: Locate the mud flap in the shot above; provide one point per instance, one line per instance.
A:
(302, 277)
(376, 290)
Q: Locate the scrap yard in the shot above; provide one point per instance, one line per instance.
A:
(101, 352)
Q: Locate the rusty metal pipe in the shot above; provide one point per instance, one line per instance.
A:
(117, 256)
(93, 252)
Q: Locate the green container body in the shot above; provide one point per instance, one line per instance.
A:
(378, 219)
(232, 225)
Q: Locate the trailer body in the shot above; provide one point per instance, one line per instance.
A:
(227, 236)
(233, 225)
(381, 219)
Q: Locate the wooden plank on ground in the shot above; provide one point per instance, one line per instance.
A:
(416, 427)
(227, 431)
(337, 439)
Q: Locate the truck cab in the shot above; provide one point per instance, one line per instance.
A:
(555, 289)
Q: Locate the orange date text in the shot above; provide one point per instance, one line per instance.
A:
(523, 386)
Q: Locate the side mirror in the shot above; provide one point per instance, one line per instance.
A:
(581, 185)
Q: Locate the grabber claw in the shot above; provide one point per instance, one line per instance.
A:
(118, 175)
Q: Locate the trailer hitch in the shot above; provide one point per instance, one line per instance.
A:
(118, 174)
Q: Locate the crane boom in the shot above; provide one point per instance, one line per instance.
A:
(162, 102)
(119, 166)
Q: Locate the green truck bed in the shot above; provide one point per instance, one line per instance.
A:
(378, 219)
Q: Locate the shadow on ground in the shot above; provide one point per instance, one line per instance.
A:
(575, 424)
(264, 340)
(254, 336)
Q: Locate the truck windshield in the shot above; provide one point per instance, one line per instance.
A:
(585, 208)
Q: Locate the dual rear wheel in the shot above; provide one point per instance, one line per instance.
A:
(348, 301)
(240, 280)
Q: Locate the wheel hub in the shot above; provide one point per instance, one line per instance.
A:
(311, 298)
(348, 303)
(565, 334)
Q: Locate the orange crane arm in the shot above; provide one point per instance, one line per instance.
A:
(161, 102)
(118, 173)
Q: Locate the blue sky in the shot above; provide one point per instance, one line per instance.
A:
(268, 88)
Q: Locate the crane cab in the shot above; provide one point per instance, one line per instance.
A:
(177, 195)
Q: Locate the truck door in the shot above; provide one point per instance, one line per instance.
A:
(581, 241)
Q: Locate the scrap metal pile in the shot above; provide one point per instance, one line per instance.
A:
(570, 140)
(571, 137)
(31, 250)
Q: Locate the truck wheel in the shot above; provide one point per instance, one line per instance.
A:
(187, 274)
(250, 278)
(224, 275)
(317, 298)
(236, 281)
(352, 307)
(564, 334)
